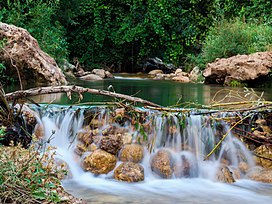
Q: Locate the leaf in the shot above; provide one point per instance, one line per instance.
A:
(39, 194)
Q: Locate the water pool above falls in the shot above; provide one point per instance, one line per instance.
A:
(179, 176)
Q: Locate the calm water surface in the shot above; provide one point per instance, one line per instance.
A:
(162, 92)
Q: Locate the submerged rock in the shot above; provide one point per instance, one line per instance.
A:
(260, 174)
(99, 162)
(132, 153)
(129, 172)
(33, 64)
(161, 164)
(225, 175)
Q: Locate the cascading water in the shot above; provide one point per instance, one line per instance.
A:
(187, 139)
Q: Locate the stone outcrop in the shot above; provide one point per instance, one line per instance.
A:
(129, 172)
(241, 68)
(225, 175)
(132, 153)
(161, 164)
(21, 51)
(99, 162)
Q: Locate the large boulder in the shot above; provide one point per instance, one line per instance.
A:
(162, 164)
(241, 68)
(99, 162)
(111, 143)
(132, 153)
(129, 172)
(260, 174)
(21, 51)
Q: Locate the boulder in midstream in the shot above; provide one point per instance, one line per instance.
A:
(99, 162)
(161, 164)
(225, 175)
(129, 172)
(111, 143)
(132, 153)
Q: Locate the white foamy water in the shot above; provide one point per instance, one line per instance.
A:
(190, 144)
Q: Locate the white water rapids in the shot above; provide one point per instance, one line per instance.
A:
(199, 187)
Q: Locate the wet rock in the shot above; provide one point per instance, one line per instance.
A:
(240, 68)
(265, 156)
(181, 78)
(91, 77)
(99, 162)
(195, 74)
(132, 153)
(80, 149)
(260, 174)
(225, 175)
(111, 143)
(35, 66)
(243, 167)
(185, 168)
(85, 137)
(161, 164)
(129, 172)
(39, 131)
(99, 72)
(155, 72)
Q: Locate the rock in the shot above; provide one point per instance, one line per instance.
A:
(264, 151)
(161, 164)
(91, 77)
(155, 72)
(260, 174)
(34, 65)
(126, 138)
(195, 74)
(243, 167)
(185, 168)
(129, 172)
(178, 71)
(85, 137)
(241, 68)
(99, 72)
(132, 153)
(225, 175)
(99, 162)
(108, 74)
(111, 143)
(181, 78)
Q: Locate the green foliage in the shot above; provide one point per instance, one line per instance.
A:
(36, 16)
(231, 38)
(27, 176)
(124, 33)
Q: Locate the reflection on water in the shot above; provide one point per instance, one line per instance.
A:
(166, 93)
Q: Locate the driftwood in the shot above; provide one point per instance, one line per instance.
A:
(74, 89)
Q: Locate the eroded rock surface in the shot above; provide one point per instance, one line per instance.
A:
(161, 164)
(129, 172)
(132, 153)
(99, 162)
(21, 51)
(240, 68)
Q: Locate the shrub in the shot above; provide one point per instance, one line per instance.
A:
(227, 39)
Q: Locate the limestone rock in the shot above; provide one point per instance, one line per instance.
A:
(34, 65)
(132, 153)
(155, 72)
(91, 77)
(181, 78)
(264, 151)
(111, 143)
(85, 137)
(260, 174)
(225, 175)
(240, 68)
(161, 164)
(99, 72)
(99, 162)
(129, 172)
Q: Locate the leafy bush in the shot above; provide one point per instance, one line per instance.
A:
(231, 38)
(28, 177)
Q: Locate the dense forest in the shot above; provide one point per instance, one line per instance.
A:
(122, 34)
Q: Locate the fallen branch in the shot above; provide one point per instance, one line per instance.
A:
(74, 89)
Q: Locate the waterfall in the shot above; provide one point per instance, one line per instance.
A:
(188, 139)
